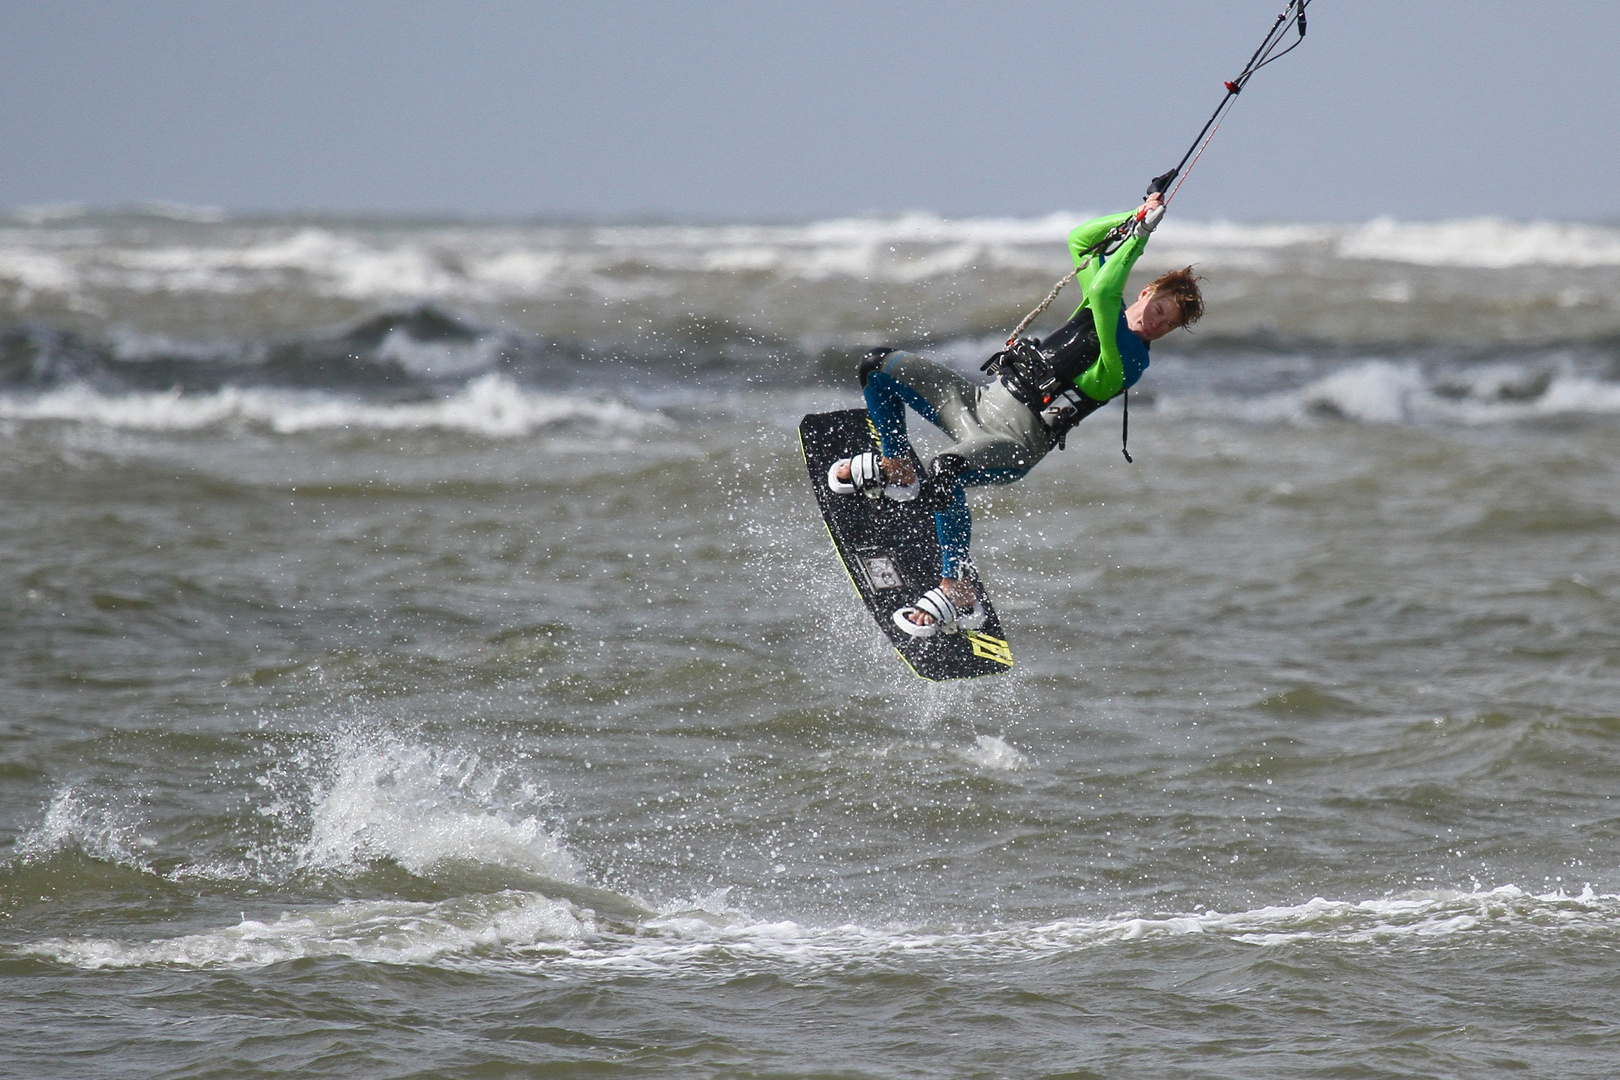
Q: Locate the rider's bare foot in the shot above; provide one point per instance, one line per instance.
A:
(896, 470)
(962, 595)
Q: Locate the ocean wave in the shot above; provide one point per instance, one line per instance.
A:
(489, 264)
(1396, 393)
(1372, 391)
(1483, 243)
(528, 930)
(491, 405)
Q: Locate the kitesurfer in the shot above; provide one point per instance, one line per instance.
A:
(1001, 429)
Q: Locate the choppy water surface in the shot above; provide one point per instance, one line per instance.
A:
(421, 657)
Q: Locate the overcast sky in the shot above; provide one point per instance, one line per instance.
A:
(718, 109)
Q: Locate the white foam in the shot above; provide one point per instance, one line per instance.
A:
(912, 247)
(994, 754)
(510, 927)
(1574, 394)
(1384, 392)
(675, 941)
(439, 358)
(375, 931)
(1487, 243)
(1377, 392)
(492, 405)
(493, 264)
(37, 271)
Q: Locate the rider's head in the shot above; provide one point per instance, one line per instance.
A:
(1168, 302)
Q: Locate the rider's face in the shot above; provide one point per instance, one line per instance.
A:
(1159, 316)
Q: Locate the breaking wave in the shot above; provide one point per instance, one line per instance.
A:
(507, 330)
(1374, 391)
(337, 807)
(362, 798)
(528, 930)
(684, 937)
(78, 821)
(1389, 392)
(422, 806)
(492, 263)
(1487, 243)
(389, 932)
(491, 405)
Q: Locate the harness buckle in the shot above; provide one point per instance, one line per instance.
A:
(1061, 409)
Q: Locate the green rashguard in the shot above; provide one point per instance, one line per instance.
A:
(1103, 283)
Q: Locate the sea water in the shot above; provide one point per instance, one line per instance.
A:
(421, 656)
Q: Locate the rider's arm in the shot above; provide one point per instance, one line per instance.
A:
(1105, 297)
(1083, 238)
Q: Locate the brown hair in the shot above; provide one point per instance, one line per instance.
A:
(1182, 287)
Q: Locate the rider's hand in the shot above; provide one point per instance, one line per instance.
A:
(1147, 218)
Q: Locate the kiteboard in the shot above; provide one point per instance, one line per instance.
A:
(891, 552)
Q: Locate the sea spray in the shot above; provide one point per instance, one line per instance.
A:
(421, 806)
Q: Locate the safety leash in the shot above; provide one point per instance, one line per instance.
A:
(1125, 428)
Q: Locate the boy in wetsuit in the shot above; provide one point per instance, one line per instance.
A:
(1002, 429)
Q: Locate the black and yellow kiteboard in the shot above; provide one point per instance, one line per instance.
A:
(892, 554)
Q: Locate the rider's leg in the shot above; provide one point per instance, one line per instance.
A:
(943, 397)
(952, 473)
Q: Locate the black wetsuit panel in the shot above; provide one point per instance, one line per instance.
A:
(1072, 347)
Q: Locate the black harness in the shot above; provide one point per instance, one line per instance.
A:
(1042, 374)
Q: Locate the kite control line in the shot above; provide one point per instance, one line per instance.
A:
(1265, 54)
(1270, 49)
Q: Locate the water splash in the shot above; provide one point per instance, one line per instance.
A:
(994, 754)
(423, 806)
(77, 821)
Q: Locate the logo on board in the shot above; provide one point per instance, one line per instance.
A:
(991, 648)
